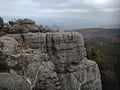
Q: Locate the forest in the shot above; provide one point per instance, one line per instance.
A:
(103, 46)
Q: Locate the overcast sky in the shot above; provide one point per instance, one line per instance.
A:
(64, 13)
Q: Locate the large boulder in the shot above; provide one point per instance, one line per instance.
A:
(16, 28)
(33, 28)
(13, 82)
(9, 45)
(25, 21)
(85, 76)
(21, 21)
(12, 22)
(23, 26)
(6, 28)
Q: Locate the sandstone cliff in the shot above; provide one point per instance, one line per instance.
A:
(49, 61)
(56, 60)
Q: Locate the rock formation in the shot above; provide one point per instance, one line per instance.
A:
(51, 61)
(25, 26)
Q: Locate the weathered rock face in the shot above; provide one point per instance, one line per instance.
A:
(13, 82)
(33, 67)
(65, 49)
(66, 52)
(37, 68)
(9, 45)
(86, 77)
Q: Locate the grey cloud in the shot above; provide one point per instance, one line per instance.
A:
(59, 5)
(76, 10)
(88, 5)
(76, 3)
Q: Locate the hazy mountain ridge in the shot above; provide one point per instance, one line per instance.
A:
(93, 33)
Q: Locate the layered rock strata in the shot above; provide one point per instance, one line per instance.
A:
(66, 67)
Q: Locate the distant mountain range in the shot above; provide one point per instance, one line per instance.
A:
(95, 33)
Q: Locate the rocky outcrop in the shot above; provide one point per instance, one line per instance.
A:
(26, 25)
(23, 26)
(9, 45)
(45, 61)
(18, 26)
(33, 66)
(24, 21)
(66, 51)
